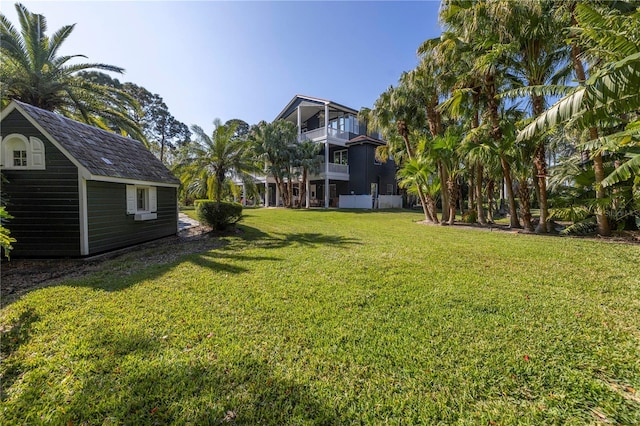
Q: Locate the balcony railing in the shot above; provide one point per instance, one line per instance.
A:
(319, 133)
(335, 168)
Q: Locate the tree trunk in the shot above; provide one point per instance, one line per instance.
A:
(525, 207)
(471, 192)
(452, 188)
(481, 217)
(490, 189)
(598, 166)
(404, 132)
(444, 192)
(513, 212)
(303, 188)
(540, 163)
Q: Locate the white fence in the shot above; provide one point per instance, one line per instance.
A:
(367, 202)
(390, 201)
(355, 202)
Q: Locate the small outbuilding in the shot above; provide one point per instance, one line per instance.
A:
(75, 190)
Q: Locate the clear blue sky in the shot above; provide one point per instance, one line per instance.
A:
(246, 60)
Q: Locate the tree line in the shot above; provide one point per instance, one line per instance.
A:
(538, 97)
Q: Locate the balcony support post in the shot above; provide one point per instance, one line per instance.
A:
(326, 156)
(299, 123)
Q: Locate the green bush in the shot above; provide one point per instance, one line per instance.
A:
(218, 216)
(470, 216)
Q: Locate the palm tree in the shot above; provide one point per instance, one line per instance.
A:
(31, 71)
(307, 159)
(276, 146)
(210, 161)
(609, 100)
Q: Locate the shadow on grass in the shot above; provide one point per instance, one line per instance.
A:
(11, 338)
(210, 260)
(303, 239)
(142, 379)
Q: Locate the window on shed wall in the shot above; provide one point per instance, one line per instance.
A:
(142, 201)
(19, 158)
(18, 152)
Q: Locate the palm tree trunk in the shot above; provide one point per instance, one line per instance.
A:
(525, 207)
(513, 212)
(303, 188)
(452, 188)
(481, 217)
(404, 132)
(490, 189)
(598, 166)
(541, 169)
(444, 192)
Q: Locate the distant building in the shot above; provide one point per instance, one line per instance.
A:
(349, 166)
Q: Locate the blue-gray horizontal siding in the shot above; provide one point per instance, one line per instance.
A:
(363, 170)
(44, 203)
(109, 225)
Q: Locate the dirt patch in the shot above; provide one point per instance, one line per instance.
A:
(19, 276)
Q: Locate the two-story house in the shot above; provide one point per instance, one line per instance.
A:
(348, 164)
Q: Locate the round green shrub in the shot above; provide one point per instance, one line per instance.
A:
(470, 216)
(219, 216)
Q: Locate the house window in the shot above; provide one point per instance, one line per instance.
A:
(341, 157)
(19, 158)
(142, 202)
(142, 199)
(19, 152)
(389, 189)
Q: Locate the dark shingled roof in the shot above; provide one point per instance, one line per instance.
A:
(102, 153)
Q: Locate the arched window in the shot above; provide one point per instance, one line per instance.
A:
(18, 152)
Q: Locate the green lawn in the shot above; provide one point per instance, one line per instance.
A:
(328, 317)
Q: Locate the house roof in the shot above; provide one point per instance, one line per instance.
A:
(311, 101)
(365, 139)
(100, 152)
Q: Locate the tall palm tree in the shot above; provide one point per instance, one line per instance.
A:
(398, 111)
(276, 146)
(212, 160)
(609, 100)
(32, 71)
(307, 159)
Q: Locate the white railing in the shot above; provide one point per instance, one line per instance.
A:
(319, 133)
(335, 168)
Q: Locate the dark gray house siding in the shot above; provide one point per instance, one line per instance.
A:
(110, 227)
(364, 170)
(76, 202)
(44, 203)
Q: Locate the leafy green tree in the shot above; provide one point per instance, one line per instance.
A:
(276, 147)
(32, 71)
(207, 163)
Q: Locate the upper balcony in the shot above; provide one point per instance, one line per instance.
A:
(335, 172)
(334, 136)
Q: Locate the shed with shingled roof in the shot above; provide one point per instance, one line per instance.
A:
(76, 190)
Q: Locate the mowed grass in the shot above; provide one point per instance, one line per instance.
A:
(331, 317)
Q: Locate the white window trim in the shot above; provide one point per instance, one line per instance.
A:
(33, 147)
(339, 155)
(150, 212)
